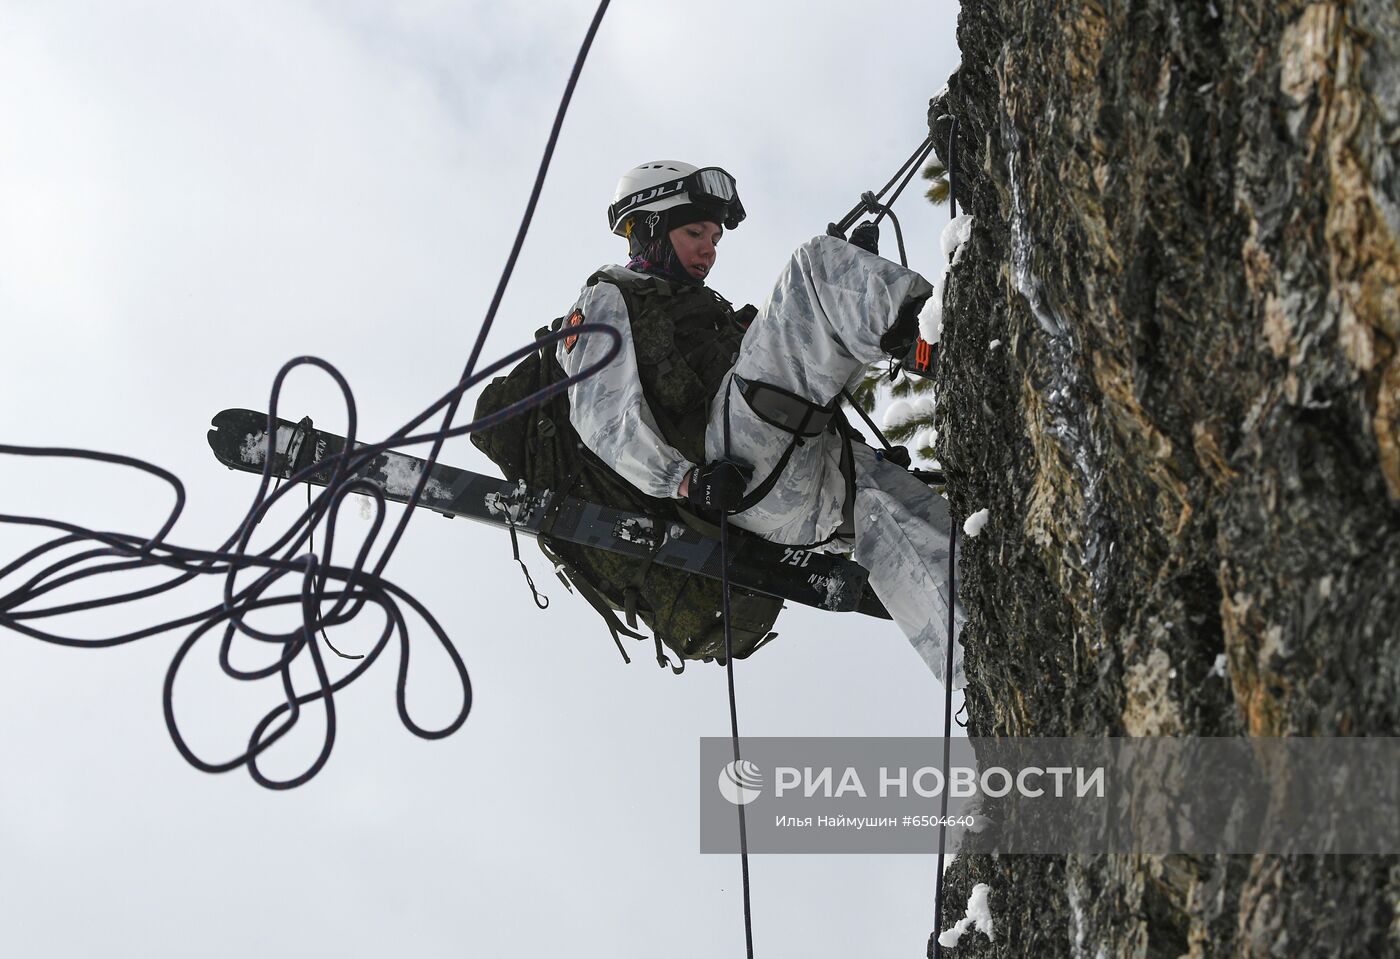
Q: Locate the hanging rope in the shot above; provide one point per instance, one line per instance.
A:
(869, 202)
(935, 948)
(359, 584)
(328, 594)
(729, 678)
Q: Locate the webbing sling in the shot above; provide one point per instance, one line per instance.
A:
(784, 409)
(780, 407)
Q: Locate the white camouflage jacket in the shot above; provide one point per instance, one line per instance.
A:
(608, 410)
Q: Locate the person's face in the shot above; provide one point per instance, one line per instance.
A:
(695, 245)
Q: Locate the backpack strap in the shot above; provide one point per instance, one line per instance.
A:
(632, 284)
(632, 594)
(576, 583)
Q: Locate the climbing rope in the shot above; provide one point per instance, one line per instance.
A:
(935, 948)
(359, 584)
(869, 202)
(729, 678)
(328, 594)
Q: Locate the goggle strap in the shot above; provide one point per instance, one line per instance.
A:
(695, 187)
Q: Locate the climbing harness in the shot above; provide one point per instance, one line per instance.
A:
(802, 420)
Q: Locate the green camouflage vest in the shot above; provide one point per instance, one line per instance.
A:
(685, 339)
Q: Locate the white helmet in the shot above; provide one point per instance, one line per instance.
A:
(665, 184)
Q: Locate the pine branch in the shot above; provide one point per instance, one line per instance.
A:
(864, 394)
(938, 174)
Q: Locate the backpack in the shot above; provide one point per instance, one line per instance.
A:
(685, 339)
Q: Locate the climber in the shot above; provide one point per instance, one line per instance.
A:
(777, 455)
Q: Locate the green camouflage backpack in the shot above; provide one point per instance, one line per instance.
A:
(685, 339)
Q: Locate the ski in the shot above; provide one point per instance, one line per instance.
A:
(821, 580)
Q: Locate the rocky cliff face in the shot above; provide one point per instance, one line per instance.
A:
(1187, 241)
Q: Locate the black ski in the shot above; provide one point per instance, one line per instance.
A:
(822, 580)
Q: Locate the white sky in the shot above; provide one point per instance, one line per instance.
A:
(190, 194)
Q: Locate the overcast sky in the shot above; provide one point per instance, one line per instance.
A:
(193, 192)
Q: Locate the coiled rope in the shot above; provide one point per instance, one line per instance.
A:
(318, 581)
(348, 588)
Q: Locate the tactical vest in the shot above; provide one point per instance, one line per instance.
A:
(685, 339)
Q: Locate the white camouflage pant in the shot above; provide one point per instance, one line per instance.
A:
(816, 335)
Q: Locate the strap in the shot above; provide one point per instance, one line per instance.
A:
(579, 585)
(696, 522)
(556, 502)
(766, 487)
(615, 627)
(627, 284)
(631, 596)
(784, 409)
(756, 495)
(662, 659)
(540, 600)
(291, 460)
(650, 284)
(847, 529)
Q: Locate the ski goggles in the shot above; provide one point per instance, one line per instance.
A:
(709, 187)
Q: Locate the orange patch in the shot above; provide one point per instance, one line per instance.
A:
(575, 318)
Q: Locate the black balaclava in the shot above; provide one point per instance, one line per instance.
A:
(657, 256)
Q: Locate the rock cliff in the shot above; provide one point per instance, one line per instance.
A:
(1187, 241)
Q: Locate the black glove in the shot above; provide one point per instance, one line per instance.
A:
(898, 455)
(718, 486)
(867, 237)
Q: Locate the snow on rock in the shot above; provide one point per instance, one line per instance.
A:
(1221, 666)
(931, 316)
(993, 345)
(979, 915)
(976, 521)
(955, 234)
